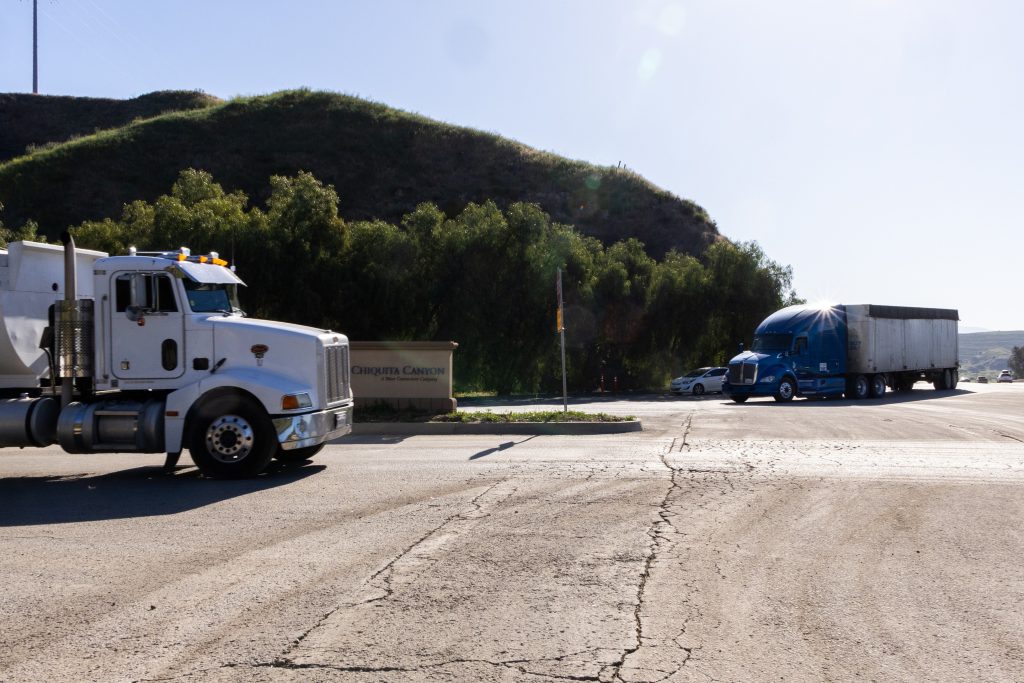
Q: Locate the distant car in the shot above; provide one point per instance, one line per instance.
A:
(699, 381)
(1005, 376)
(982, 379)
(965, 378)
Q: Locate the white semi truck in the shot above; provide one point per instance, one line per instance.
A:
(149, 352)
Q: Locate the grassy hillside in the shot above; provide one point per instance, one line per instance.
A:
(38, 120)
(986, 353)
(383, 163)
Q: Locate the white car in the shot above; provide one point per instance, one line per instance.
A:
(1005, 376)
(699, 381)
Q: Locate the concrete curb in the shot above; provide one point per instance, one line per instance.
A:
(445, 428)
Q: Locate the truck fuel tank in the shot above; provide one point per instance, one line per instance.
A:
(28, 421)
(111, 426)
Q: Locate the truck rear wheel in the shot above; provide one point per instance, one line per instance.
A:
(944, 380)
(877, 386)
(298, 454)
(857, 387)
(232, 437)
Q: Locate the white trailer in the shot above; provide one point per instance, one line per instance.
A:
(897, 339)
(149, 353)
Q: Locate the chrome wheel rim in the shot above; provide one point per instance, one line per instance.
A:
(786, 390)
(229, 438)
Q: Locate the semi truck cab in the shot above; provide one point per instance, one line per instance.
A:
(858, 350)
(799, 350)
(159, 358)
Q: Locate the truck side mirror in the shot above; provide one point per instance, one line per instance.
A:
(740, 350)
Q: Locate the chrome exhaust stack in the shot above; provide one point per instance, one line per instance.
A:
(73, 328)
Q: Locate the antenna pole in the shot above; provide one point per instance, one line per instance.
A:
(35, 47)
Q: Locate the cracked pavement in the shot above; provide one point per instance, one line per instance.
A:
(825, 540)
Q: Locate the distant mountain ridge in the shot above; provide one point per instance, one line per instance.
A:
(987, 352)
(382, 161)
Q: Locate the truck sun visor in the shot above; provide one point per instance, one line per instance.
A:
(209, 273)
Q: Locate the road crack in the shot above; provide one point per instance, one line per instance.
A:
(658, 533)
(384, 574)
(519, 665)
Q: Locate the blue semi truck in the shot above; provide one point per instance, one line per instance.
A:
(854, 350)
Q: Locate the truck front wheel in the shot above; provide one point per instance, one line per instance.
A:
(232, 437)
(786, 391)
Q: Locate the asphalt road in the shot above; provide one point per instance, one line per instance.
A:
(817, 540)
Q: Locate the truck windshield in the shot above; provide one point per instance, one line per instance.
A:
(206, 297)
(772, 343)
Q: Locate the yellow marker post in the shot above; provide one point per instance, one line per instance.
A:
(560, 323)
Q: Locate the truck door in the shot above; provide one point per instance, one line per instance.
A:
(802, 360)
(146, 327)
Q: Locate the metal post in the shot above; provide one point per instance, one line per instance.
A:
(561, 332)
(35, 47)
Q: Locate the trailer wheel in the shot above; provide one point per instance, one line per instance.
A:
(739, 399)
(954, 375)
(232, 437)
(857, 387)
(877, 386)
(786, 391)
(298, 454)
(944, 381)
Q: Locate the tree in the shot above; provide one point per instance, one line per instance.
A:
(483, 278)
(1017, 361)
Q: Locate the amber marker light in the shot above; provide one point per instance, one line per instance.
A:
(295, 401)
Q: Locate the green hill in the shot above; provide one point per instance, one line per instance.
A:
(383, 163)
(39, 120)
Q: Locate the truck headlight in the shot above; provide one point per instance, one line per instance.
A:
(768, 380)
(296, 401)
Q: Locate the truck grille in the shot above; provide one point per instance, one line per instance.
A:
(742, 373)
(337, 373)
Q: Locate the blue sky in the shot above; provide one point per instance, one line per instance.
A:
(875, 146)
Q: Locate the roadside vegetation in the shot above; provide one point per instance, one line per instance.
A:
(483, 277)
(1017, 361)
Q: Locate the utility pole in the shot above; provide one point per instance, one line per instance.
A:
(35, 47)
